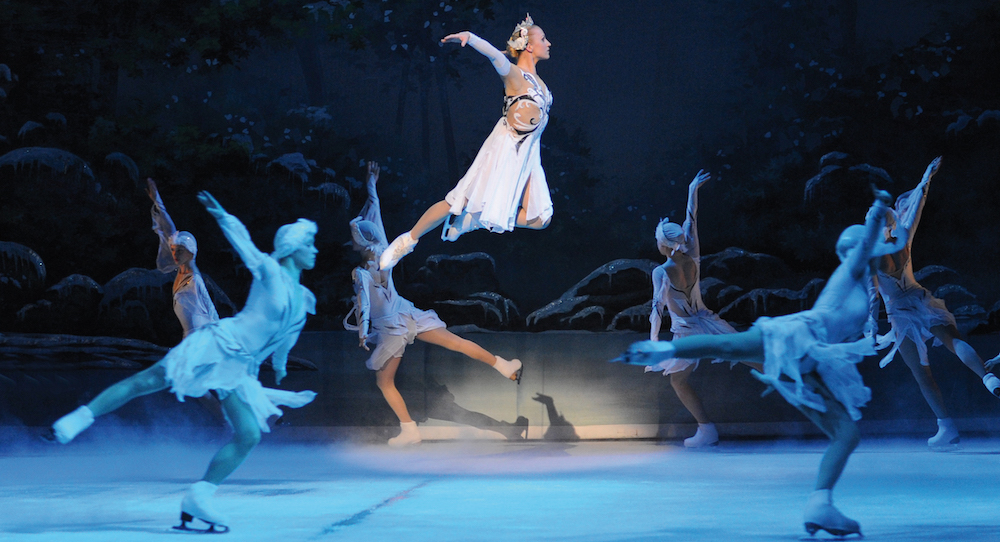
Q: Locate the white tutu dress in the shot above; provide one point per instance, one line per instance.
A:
(796, 344)
(491, 190)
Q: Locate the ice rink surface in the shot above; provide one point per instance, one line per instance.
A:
(494, 490)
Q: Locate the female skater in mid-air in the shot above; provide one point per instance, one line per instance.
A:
(505, 186)
(816, 352)
(916, 315)
(177, 252)
(676, 288)
(225, 357)
(392, 322)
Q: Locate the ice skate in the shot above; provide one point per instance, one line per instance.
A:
(992, 383)
(69, 426)
(511, 369)
(705, 436)
(400, 246)
(197, 504)
(820, 514)
(408, 435)
(946, 438)
(460, 225)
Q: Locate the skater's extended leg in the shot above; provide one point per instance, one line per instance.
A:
(142, 383)
(443, 337)
(949, 336)
(522, 213)
(432, 218)
(246, 435)
(747, 346)
(385, 378)
(404, 243)
(690, 399)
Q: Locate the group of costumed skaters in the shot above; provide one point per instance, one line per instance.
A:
(809, 357)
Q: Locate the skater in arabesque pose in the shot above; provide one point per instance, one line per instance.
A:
(810, 357)
(225, 357)
(916, 315)
(392, 322)
(676, 288)
(505, 186)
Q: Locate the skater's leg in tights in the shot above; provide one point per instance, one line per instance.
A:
(386, 380)
(922, 374)
(747, 346)
(838, 425)
(246, 435)
(522, 213)
(142, 383)
(443, 337)
(432, 218)
(686, 394)
(949, 336)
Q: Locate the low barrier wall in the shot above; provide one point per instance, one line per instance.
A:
(568, 391)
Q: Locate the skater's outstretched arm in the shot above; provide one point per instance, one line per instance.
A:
(497, 58)
(692, 245)
(660, 285)
(910, 205)
(362, 304)
(372, 211)
(236, 233)
(874, 306)
(163, 227)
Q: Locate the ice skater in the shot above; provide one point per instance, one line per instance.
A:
(916, 315)
(676, 288)
(176, 254)
(505, 187)
(391, 322)
(225, 357)
(815, 351)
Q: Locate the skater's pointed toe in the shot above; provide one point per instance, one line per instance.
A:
(400, 246)
(69, 426)
(992, 383)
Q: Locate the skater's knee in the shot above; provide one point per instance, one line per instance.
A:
(246, 440)
(848, 435)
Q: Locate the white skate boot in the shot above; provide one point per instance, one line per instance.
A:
(946, 438)
(409, 435)
(459, 225)
(821, 514)
(705, 436)
(992, 383)
(509, 368)
(400, 246)
(69, 426)
(197, 504)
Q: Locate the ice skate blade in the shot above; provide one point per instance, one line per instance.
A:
(212, 527)
(813, 528)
